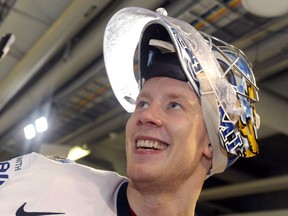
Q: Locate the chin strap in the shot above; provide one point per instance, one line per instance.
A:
(211, 117)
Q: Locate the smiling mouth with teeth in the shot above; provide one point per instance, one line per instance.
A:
(149, 144)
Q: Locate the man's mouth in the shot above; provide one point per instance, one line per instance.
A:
(149, 144)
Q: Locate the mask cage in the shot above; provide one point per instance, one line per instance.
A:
(238, 118)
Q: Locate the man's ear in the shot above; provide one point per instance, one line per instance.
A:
(208, 151)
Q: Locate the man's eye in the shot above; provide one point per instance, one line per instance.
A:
(174, 105)
(142, 105)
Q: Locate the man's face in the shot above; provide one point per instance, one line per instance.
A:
(166, 135)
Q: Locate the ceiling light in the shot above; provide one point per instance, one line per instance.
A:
(29, 131)
(77, 152)
(266, 8)
(41, 124)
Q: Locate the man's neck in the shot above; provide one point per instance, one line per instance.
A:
(154, 200)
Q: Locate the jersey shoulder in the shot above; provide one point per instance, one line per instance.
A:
(57, 184)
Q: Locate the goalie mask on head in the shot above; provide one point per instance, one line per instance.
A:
(219, 73)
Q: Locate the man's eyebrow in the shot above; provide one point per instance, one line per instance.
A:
(190, 101)
(177, 96)
(171, 95)
(143, 95)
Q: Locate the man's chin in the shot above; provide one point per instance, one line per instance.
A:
(142, 175)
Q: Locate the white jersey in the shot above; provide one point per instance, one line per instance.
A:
(33, 185)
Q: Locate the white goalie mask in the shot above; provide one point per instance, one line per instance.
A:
(220, 74)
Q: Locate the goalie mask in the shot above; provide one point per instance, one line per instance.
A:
(219, 73)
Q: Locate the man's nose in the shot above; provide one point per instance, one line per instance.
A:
(150, 116)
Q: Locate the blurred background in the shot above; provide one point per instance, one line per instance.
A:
(53, 85)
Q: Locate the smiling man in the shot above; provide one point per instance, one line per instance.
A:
(193, 111)
(167, 149)
(192, 98)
